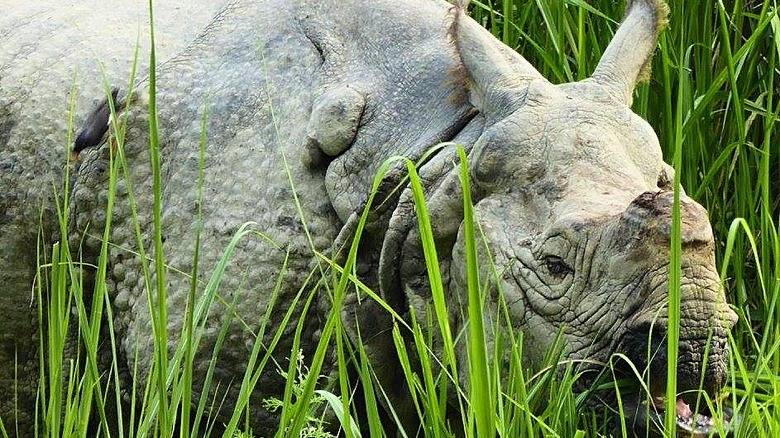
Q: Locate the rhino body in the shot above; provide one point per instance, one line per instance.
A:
(50, 54)
(303, 101)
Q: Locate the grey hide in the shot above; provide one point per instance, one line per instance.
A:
(304, 100)
(51, 52)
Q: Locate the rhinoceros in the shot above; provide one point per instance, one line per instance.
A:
(301, 103)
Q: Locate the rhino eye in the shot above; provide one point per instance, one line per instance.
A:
(556, 266)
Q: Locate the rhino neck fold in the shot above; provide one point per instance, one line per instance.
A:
(398, 242)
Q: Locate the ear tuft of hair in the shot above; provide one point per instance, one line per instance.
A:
(661, 21)
(457, 12)
(661, 16)
(458, 75)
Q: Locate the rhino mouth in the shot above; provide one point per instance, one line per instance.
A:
(698, 409)
(691, 420)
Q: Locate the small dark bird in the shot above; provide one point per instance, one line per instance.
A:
(96, 125)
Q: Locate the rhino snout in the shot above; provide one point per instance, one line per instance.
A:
(646, 347)
(702, 350)
(701, 371)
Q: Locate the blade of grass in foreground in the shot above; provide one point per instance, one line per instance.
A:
(481, 397)
(369, 394)
(158, 307)
(189, 352)
(296, 418)
(432, 265)
(675, 266)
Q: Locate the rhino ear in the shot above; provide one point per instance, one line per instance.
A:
(627, 58)
(497, 75)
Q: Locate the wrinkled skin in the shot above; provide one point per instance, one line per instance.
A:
(569, 188)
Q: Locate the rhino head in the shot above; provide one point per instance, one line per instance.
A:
(575, 204)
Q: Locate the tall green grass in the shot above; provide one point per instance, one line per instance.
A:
(713, 103)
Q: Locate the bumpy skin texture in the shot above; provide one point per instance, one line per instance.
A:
(304, 100)
(50, 53)
(320, 88)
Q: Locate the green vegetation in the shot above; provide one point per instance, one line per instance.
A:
(713, 102)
